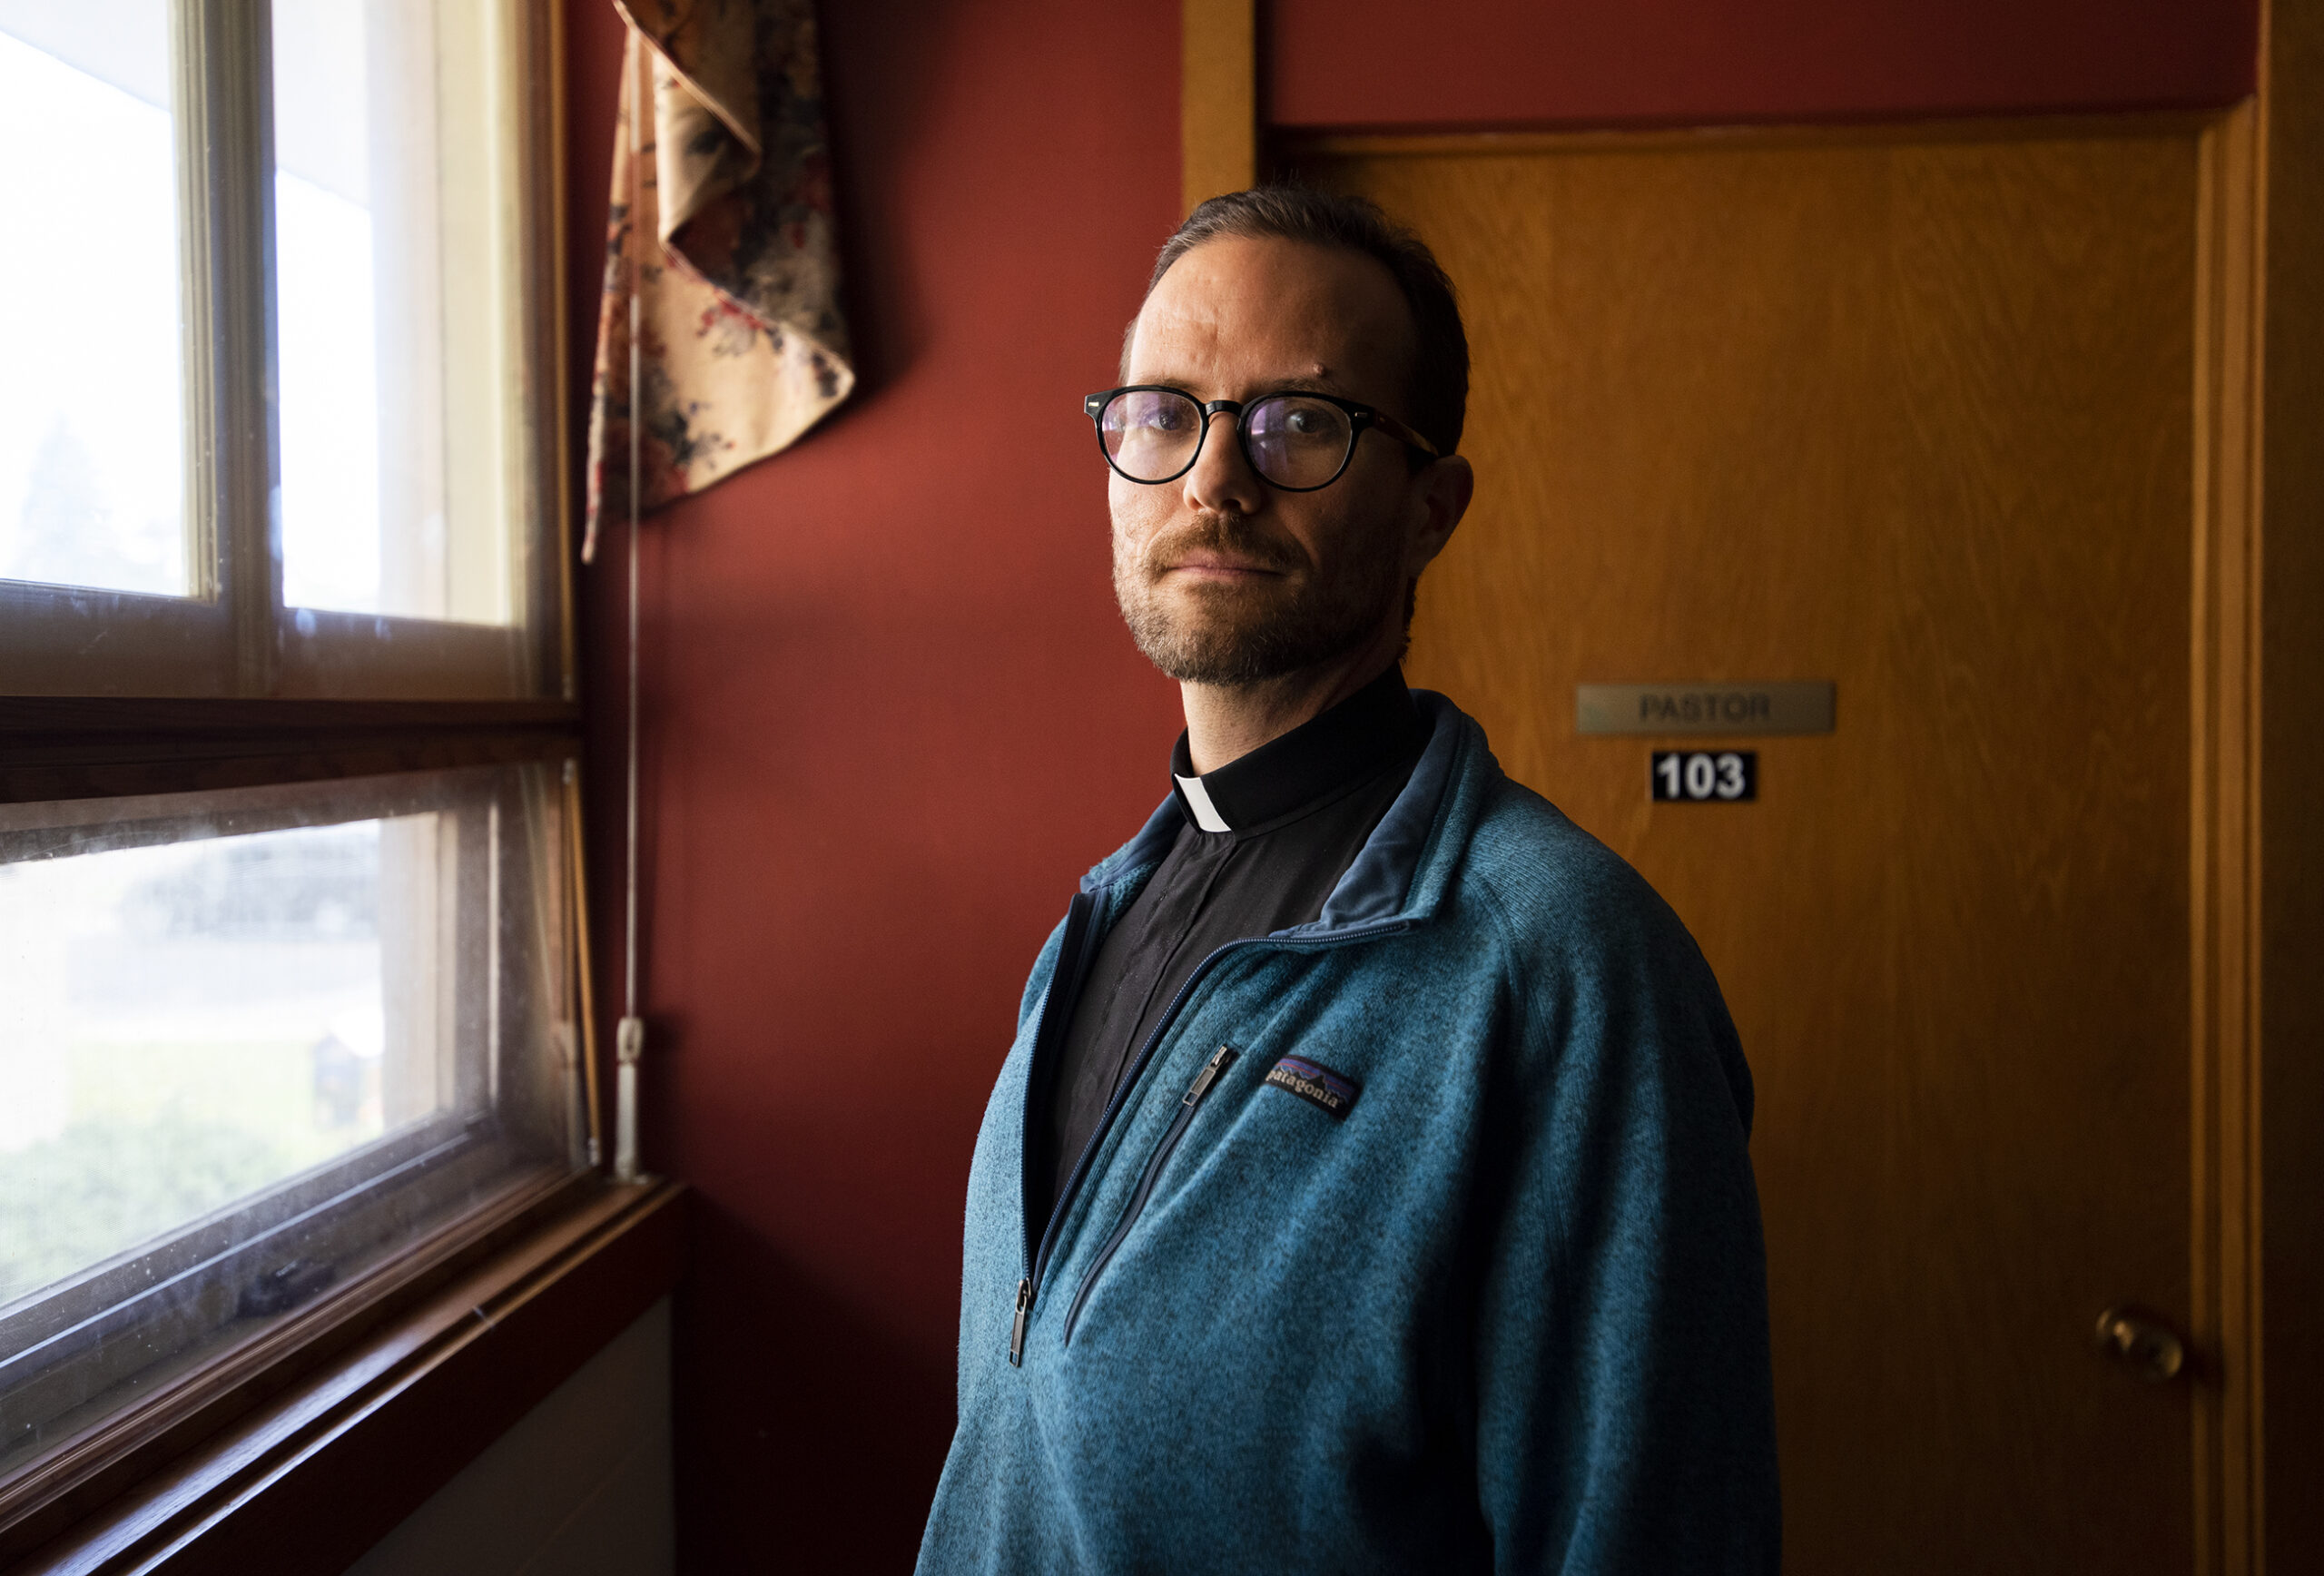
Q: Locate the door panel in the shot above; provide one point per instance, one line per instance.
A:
(1916, 416)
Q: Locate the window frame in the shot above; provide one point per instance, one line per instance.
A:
(182, 1293)
(314, 1445)
(203, 693)
(232, 634)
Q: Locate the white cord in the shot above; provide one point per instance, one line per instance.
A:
(629, 955)
(629, 1038)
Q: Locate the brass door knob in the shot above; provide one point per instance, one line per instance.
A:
(2142, 1342)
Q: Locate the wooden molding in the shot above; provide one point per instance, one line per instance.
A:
(2224, 880)
(161, 717)
(2290, 1017)
(557, 261)
(317, 1473)
(104, 746)
(84, 1475)
(1287, 147)
(1219, 97)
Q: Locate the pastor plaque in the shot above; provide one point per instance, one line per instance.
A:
(1783, 706)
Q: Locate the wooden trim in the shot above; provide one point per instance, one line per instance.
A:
(190, 134)
(1288, 145)
(85, 1474)
(23, 716)
(154, 646)
(2224, 877)
(370, 656)
(2291, 1014)
(584, 960)
(327, 760)
(227, 49)
(1219, 97)
(560, 445)
(311, 1475)
(104, 746)
(541, 553)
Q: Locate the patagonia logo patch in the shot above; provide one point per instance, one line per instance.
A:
(1318, 1085)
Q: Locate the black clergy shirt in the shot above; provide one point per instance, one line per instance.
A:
(1267, 838)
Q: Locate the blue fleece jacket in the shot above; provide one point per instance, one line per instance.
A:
(1503, 1309)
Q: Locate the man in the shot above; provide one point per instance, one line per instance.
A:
(1366, 1187)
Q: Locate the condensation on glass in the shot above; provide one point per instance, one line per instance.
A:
(92, 482)
(250, 1044)
(402, 423)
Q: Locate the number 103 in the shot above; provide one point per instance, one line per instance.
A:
(1703, 776)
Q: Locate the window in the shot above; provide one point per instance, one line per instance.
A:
(279, 349)
(289, 990)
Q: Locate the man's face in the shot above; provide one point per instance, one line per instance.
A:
(1222, 579)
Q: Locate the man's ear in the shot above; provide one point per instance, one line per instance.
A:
(1445, 488)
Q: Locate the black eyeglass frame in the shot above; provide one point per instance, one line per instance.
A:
(1360, 418)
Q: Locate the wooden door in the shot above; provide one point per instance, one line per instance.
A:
(1916, 414)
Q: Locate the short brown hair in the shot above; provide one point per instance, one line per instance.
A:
(1438, 385)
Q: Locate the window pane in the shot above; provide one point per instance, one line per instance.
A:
(255, 1044)
(394, 301)
(91, 467)
(181, 1026)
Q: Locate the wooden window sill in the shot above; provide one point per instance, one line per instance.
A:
(313, 1476)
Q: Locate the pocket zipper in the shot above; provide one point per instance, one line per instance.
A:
(1220, 1060)
(1037, 1254)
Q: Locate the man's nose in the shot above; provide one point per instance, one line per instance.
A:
(1222, 481)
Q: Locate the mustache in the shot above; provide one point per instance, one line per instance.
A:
(1234, 535)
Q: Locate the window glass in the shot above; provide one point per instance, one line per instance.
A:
(252, 1044)
(91, 461)
(394, 302)
(276, 336)
(182, 1024)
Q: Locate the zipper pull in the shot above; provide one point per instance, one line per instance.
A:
(1016, 1332)
(1208, 1076)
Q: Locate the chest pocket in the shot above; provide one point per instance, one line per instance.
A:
(1220, 1060)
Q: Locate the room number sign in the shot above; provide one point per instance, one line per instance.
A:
(1703, 776)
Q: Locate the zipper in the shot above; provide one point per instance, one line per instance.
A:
(1220, 1060)
(1065, 987)
(1037, 1254)
(1017, 1329)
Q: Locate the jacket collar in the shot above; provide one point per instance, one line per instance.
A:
(1402, 871)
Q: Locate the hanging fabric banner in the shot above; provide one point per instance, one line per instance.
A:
(722, 226)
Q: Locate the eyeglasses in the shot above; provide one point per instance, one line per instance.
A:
(1294, 441)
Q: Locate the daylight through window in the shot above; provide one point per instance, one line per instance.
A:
(290, 999)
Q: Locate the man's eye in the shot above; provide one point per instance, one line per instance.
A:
(1309, 421)
(1158, 416)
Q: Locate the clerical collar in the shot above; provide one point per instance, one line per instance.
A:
(1365, 734)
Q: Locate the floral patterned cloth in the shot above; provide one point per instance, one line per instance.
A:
(722, 227)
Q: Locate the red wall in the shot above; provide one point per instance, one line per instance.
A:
(891, 712)
(1471, 63)
(892, 717)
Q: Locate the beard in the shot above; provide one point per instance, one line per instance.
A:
(1236, 634)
